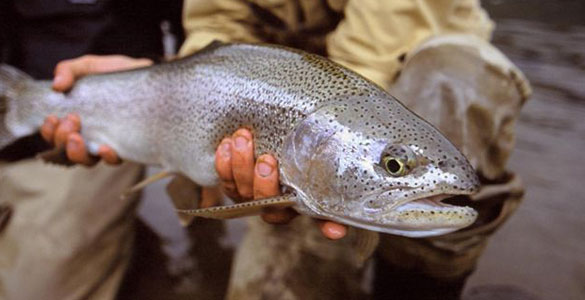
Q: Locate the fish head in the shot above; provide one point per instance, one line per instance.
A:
(378, 166)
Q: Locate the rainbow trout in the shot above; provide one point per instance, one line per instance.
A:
(348, 151)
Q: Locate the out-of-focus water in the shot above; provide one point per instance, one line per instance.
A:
(542, 247)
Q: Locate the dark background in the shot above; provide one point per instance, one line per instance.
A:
(542, 247)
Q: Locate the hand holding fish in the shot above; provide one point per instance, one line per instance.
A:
(65, 133)
(242, 178)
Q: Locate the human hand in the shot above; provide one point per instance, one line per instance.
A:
(242, 179)
(64, 133)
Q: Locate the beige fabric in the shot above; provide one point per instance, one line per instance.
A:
(295, 261)
(70, 234)
(469, 91)
(73, 242)
(473, 94)
(461, 84)
(368, 36)
(375, 35)
(444, 80)
(453, 255)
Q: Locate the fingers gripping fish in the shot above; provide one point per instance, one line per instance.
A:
(348, 151)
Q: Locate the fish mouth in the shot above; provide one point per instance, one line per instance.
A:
(421, 217)
(431, 213)
(430, 203)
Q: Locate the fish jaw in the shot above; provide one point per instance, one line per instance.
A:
(429, 216)
(417, 218)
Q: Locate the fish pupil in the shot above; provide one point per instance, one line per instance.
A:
(393, 165)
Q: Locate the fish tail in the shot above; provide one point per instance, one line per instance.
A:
(12, 82)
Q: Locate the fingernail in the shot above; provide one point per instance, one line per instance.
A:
(49, 125)
(241, 142)
(336, 232)
(73, 143)
(72, 117)
(66, 125)
(58, 80)
(48, 119)
(225, 149)
(264, 169)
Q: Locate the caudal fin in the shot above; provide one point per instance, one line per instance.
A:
(11, 82)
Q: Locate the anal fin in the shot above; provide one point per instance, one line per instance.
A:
(241, 209)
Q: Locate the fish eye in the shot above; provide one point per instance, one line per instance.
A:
(393, 165)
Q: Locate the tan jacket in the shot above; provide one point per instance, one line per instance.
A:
(369, 36)
(406, 46)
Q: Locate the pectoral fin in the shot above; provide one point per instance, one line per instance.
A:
(184, 194)
(241, 209)
(142, 184)
(366, 242)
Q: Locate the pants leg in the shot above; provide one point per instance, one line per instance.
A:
(472, 94)
(69, 235)
(468, 90)
(295, 261)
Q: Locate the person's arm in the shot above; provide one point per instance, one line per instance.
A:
(375, 36)
(222, 20)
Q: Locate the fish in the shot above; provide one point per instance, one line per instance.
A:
(348, 151)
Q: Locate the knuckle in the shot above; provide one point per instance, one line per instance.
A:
(144, 62)
(229, 185)
(246, 192)
(243, 132)
(224, 170)
(87, 58)
(62, 67)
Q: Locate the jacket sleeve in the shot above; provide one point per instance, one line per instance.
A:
(208, 20)
(375, 36)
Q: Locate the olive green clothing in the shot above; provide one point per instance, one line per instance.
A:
(435, 57)
(368, 36)
(395, 44)
(462, 92)
(73, 242)
(471, 93)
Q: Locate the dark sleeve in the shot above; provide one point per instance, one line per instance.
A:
(6, 30)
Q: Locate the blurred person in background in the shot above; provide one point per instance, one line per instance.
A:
(436, 58)
(65, 233)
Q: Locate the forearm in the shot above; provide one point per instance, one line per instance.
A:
(209, 20)
(374, 37)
